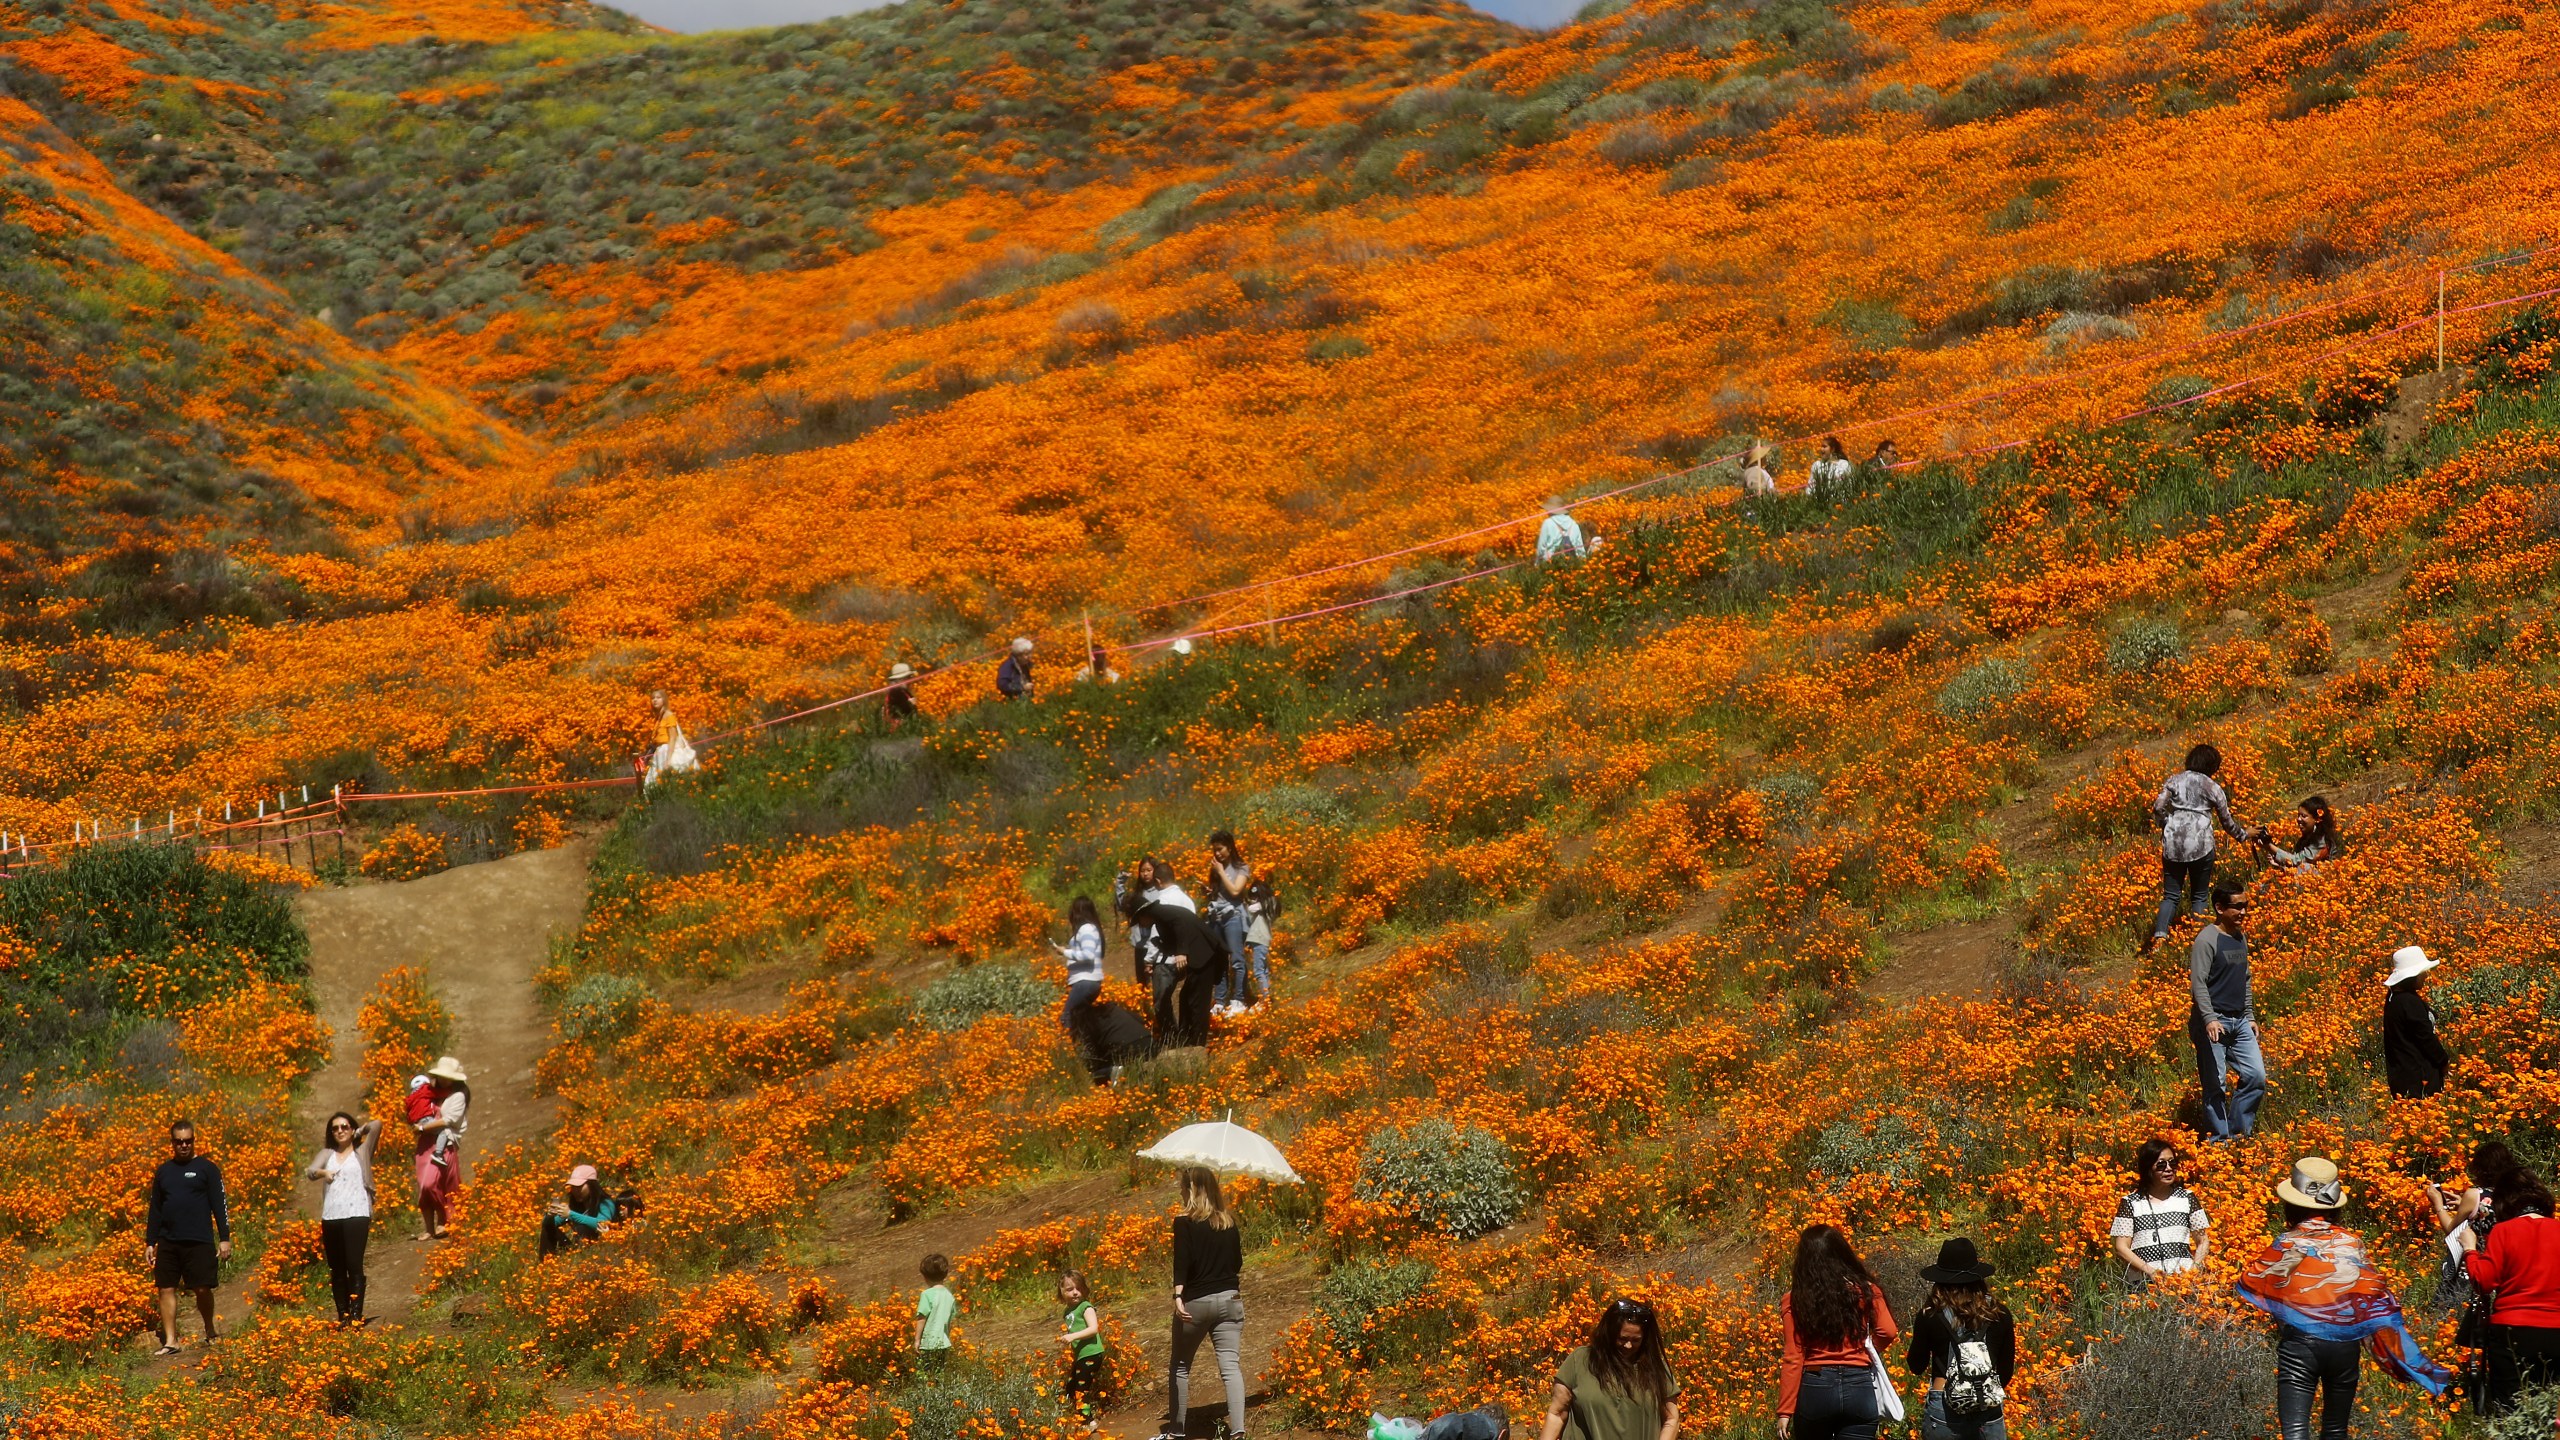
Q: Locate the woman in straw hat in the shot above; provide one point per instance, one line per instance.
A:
(2413, 1059)
(898, 702)
(1756, 479)
(440, 1143)
(2327, 1300)
(1964, 1347)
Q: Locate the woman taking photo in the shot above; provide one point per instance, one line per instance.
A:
(1083, 954)
(581, 1216)
(1964, 1347)
(1835, 1323)
(1616, 1386)
(2519, 1265)
(1208, 1267)
(345, 1167)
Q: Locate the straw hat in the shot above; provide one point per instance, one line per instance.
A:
(583, 1175)
(1021, 644)
(2313, 1185)
(902, 671)
(448, 1068)
(1182, 646)
(1760, 452)
(2407, 963)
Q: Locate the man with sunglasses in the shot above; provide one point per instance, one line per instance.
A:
(2222, 1024)
(186, 1232)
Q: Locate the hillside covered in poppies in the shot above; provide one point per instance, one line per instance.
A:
(398, 394)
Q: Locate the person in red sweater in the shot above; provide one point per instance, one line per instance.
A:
(1834, 1310)
(2520, 1265)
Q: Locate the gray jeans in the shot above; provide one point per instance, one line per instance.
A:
(1219, 1319)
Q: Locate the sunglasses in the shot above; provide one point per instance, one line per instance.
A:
(1630, 1310)
(2166, 1162)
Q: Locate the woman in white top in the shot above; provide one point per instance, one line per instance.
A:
(440, 1144)
(1083, 954)
(1832, 472)
(345, 1168)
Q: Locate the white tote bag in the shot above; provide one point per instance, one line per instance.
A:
(1888, 1398)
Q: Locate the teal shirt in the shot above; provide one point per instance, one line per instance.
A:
(936, 1305)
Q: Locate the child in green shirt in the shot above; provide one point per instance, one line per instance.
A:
(934, 1309)
(1083, 1338)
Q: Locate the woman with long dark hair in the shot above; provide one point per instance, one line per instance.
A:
(1616, 1386)
(1835, 1322)
(1083, 954)
(2519, 1265)
(344, 1167)
(1964, 1347)
(1208, 1270)
(2466, 1220)
(2314, 839)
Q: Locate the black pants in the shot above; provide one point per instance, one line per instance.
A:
(2519, 1356)
(2304, 1365)
(1167, 1019)
(1084, 1386)
(1836, 1402)
(342, 1244)
(1198, 991)
(559, 1234)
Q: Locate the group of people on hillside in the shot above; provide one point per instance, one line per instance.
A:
(2222, 1018)
(1197, 961)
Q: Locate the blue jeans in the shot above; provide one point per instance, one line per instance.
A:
(2237, 1112)
(1079, 1008)
(2195, 878)
(1836, 1402)
(1232, 922)
(1935, 1424)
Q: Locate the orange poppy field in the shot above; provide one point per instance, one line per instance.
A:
(397, 395)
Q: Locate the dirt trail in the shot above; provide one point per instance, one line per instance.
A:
(480, 932)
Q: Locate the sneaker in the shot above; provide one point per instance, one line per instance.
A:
(1258, 1007)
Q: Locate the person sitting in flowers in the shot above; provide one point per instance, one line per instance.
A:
(2314, 838)
(582, 1216)
(2329, 1305)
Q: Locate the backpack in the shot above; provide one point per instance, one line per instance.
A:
(1973, 1382)
(1263, 895)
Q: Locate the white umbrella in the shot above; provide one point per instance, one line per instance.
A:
(1226, 1147)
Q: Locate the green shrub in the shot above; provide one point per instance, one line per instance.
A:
(1457, 1181)
(966, 996)
(111, 905)
(2142, 644)
(2535, 1416)
(2166, 1373)
(2174, 388)
(602, 1007)
(1870, 325)
(1983, 689)
(1354, 1297)
(965, 1402)
(1336, 347)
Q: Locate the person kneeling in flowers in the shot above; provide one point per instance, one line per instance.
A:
(2327, 1300)
(582, 1216)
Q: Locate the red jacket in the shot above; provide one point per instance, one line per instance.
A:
(2521, 1261)
(1797, 1357)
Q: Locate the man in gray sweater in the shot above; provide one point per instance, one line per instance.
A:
(2221, 1023)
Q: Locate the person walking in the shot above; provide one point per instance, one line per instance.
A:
(1560, 535)
(186, 1232)
(2188, 804)
(1208, 1303)
(2314, 839)
(1832, 474)
(2413, 1059)
(935, 1307)
(439, 1164)
(1964, 1347)
(1081, 1333)
(344, 1167)
(1834, 1323)
(898, 702)
(2160, 1229)
(1235, 913)
(1617, 1385)
(2221, 1023)
(2329, 1305)
(581, 1215)
(1083, 954)
(1756, 479)
(1013, 677)
(2519, 1266)
(671, 753)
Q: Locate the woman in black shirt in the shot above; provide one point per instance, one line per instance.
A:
(1208, 1264)
(2413, 1059)
(1959, 1334)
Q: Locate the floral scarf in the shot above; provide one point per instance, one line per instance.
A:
(2315, 1278)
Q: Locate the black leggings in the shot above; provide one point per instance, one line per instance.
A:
(342, 1242)
(2519, 1355)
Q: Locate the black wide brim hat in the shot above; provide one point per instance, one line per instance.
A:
(1958, 1264)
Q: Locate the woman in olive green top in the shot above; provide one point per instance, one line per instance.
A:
(1617, 1387)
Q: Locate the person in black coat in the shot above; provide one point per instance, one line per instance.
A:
(2413, 1059)
(1184, 943)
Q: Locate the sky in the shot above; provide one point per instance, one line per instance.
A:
(745, 14)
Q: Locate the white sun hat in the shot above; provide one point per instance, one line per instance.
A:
(2408, 962)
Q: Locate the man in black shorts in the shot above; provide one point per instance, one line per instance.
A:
(186, 1232)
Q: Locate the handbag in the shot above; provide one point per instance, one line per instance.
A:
(1888, 1398)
